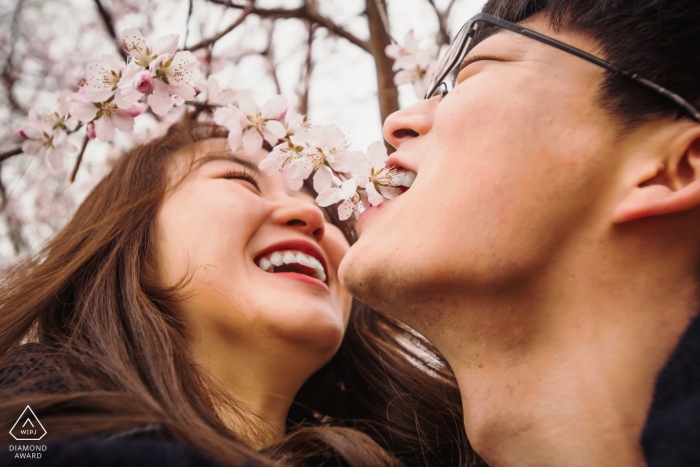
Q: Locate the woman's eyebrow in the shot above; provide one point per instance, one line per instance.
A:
(227, 156)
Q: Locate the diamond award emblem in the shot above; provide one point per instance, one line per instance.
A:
(28, 427)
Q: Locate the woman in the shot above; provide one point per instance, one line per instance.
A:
(185, 308)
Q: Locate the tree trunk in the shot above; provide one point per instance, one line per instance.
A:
(379, 39)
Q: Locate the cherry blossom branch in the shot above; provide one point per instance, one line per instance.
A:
(86, 139)
(207, 42)
(10, 153)
(109, 25)
(302, 13)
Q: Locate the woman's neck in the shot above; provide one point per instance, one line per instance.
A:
(261, 381)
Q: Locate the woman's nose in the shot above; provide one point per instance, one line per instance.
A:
(302, 215)
(409, 123)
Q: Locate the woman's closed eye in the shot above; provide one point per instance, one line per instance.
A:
(245, 175)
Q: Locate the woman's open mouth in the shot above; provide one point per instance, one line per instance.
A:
(294, 257)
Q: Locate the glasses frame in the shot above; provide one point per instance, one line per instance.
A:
(466, 33)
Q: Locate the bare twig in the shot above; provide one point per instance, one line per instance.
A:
(14, 225)
(307, 70)
(187, 23)
(207, 42)
(301, 13)
(8, 72)
(10, 153)
(109, 24)
(86, 139)
(442, 16)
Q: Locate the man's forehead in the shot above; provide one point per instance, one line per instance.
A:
(494, 39)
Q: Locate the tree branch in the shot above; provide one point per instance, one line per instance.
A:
(10, 153)
(207, 42)
(187, 23)
(305, 80)
(86, 139)
(109, 24)
(302, 13)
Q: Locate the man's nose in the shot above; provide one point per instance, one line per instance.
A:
(412, 122)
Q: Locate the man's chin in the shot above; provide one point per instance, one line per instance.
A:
(359, 274)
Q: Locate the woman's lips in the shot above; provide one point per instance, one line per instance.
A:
(301, 278)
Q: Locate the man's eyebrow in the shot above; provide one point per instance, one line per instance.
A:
(227, 156)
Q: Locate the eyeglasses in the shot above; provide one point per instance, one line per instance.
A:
(448, 67)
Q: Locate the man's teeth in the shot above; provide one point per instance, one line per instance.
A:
(293, 257)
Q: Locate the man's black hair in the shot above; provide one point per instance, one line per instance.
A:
(658, 39)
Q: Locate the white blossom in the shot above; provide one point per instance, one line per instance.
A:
(414, 64)
(46, 136)
(248, 125)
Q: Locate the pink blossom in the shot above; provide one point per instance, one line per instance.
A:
(144, 82)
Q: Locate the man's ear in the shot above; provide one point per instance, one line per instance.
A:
(669, 184)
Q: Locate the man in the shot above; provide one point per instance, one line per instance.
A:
(550, 243)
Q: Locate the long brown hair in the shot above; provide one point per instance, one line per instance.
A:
(90, 340)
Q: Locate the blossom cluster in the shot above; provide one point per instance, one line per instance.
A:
(158, 76)
(414, 62)
(114, 92)
(352, 178)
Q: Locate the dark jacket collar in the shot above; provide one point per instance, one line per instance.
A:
(671, 435)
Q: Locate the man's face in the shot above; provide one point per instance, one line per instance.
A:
(513, 165)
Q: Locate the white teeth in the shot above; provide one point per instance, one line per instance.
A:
(265, 264)
(303, 260)
(293, 257)
(276, 258)
(289, 257)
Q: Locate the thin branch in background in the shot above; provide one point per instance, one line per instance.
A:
(14, 225)
(187, 23)
(109, 25)
(8, 72)
(10, 153)
(207, 42)
(307, 70)
(269, 56)
(86, 139)
(442, 16)
(302, 13)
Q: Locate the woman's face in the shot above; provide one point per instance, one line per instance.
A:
(263, 259)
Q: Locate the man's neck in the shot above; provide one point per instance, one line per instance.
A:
(560, 371)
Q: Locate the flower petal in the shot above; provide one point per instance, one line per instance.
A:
(246, 102)
(104, 130)
(252, 142)
(274, 108)
(273, 132)
(166, 45)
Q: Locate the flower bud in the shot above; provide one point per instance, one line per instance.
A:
(90, 128)
(136, 109)
(23, 134)
(144, 82)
